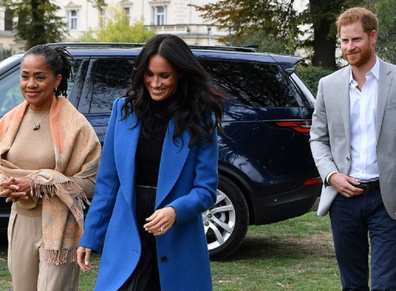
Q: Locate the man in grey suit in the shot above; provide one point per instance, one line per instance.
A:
(353, 142)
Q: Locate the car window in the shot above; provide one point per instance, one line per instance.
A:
(110, 79)
(10, 92)
(255, 84)
(70, 83)
(4, 63)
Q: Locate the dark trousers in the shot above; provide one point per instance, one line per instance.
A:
(353, 222)
(145, 277)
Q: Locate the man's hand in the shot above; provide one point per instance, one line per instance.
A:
(345, 185)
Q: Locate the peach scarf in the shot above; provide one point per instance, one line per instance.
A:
(77, 154)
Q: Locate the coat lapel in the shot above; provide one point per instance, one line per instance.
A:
(124, 151)
(344, 103)
(384, 86)
(173, 159)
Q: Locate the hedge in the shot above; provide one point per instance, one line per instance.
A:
(312, 75)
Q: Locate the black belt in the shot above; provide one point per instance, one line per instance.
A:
(369, 186)
(146, 186)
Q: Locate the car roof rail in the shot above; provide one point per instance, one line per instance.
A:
(248, 48)
(98, 44)
(253, 46)
(223, 48)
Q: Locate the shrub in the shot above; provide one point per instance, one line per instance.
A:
(312, 75)
(5, 53)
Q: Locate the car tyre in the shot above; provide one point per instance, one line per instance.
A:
(226, 223)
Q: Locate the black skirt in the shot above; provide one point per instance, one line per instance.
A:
(145, 276)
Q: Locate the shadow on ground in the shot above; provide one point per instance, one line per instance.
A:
(259, 247)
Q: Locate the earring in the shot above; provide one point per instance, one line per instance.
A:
(55, 90)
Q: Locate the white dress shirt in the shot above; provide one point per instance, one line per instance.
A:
(363, 113)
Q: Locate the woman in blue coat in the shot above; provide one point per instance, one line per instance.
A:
(157, 174)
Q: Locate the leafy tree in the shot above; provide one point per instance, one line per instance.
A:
(269, 23)
(275, 24)
(116, 28)
(265, 43)
(322, 16)
(386, 43)
(37, 21)
(100, 4)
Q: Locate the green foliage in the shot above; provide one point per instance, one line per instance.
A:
(312, 75)
(320, 18)
(37, 21)
(277, 27)
(5, 53)
(386, 42)
(115, 28)
(266, 43)
(268, 23)
(100, 4)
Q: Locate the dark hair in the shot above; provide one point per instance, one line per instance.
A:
(58, 61)
(197, 107)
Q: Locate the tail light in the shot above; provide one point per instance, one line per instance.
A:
(312, 181)
(300, 126)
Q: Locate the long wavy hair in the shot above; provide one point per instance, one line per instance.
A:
(58, 60)
(197, 106)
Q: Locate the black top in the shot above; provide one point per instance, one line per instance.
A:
(149, 149)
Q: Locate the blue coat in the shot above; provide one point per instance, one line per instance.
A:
(187, 181)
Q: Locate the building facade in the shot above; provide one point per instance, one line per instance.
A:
(165, 16)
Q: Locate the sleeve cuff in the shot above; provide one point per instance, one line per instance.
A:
(327, 180)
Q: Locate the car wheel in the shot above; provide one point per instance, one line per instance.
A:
(227, 222)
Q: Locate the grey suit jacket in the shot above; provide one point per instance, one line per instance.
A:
(331, 134)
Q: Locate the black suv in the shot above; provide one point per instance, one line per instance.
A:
(266, 172)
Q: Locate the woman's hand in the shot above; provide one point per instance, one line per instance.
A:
(160, 221)
(16, 188)
(83, 259)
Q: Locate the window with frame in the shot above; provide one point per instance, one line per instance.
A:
(8, 20)
(127, 11)
(159, 15)
(255, 84)
(109, 79)
(102, 18)
(72, 19)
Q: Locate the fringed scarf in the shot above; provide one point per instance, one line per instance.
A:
(77, 154)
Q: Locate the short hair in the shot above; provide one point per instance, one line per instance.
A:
(367, 18)
(58, 60)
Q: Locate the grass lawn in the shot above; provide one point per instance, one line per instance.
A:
(296, 254)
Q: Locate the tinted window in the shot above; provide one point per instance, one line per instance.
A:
(111, 78)
(10, 93)
(70, 83)
(255, 84)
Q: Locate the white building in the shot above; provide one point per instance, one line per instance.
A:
(165, 16)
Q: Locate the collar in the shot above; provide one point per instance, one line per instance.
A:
(375, 71)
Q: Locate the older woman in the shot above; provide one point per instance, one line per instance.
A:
(49, 161)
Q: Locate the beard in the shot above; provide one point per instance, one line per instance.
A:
(364, 54)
